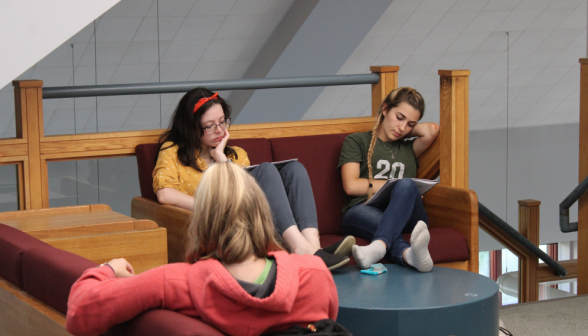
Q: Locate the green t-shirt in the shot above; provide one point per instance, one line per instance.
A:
(384, 166)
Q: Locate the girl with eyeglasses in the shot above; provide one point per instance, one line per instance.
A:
(197, 139)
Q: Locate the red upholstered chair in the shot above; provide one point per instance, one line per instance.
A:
(42, 277)
(13, 244)
(49, 273)
(453, 212)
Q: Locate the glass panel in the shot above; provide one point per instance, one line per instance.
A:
(484, 263)
(7, 125)
(107, 181)
(510, 263)
(8, 188)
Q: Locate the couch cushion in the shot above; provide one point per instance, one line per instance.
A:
(320, 155)
(49, 273)
(446, 245)
(166, 322)
(13, 244)
(146, 159)
(258, 151)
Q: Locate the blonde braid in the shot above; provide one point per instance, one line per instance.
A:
(371, 151)
(388, 102)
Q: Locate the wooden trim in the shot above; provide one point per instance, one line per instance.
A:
(455, 208)
(174, 219)
(384, 68)
(388, 82)
(23, 314)
(5, 161)
(461, 265)
(29, 109)
(9, 149)
(454, 73)
(529, 228)
(545, 273)
(26, 191)
(454, 128)
(20, 176)
(495, 264)
(81, 220)
(97, 145)
(102, 136)
(429, 161)
(54, 211)
(45, 184)
(582, 174)
(31, 83)
(144, 249)
(504, 239)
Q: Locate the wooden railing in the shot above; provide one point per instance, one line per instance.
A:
(31, 149)
(531, 273)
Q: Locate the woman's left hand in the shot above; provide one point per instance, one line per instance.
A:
(122, 268)
(218, 153)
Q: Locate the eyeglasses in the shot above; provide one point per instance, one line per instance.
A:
(212, 128)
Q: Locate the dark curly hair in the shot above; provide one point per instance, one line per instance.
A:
(185, 129)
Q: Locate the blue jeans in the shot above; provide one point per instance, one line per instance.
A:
(289, 195)
(387, 222)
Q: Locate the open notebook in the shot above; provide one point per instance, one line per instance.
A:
(278, 164)
(384, 193)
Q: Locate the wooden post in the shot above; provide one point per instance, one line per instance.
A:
(28, 99)
(583, 172)
(454, 128)
(529, 227)
(388, 82)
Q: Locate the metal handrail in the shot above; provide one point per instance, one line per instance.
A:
(509, 230)
(564, 207)
(215, 85)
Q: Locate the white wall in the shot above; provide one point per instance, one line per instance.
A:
(542, 164)
(31, 29)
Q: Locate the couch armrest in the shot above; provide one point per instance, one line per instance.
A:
(166, 322)
(174, 219)
(455, 208)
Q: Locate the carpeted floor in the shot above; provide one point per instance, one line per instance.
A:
(568, 316)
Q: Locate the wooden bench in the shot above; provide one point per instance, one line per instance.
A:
(95, 232)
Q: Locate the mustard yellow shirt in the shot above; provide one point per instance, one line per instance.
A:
(169, 172)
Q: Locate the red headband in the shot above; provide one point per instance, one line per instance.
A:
(201, 101)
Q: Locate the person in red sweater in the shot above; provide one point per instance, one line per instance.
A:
(237, 277)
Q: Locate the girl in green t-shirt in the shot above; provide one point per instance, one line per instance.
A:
(367, 160)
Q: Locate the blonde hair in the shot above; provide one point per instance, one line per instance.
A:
(232, 219)
(396, 97)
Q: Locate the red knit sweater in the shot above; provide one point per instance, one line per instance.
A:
(304, 293)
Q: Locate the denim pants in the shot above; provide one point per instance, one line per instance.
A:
(387, 222)
(289, 194)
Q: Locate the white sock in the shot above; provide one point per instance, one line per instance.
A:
(365, 256)
(417, 255)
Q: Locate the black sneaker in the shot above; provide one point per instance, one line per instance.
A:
(342, 247)
(332, 261)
